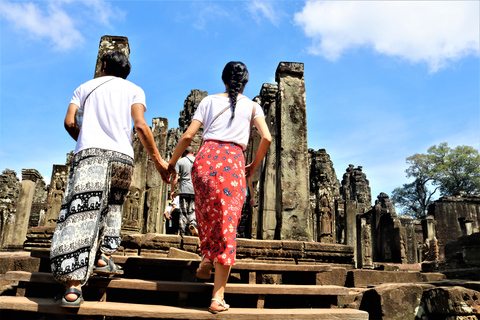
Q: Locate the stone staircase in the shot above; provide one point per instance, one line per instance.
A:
(162, 288)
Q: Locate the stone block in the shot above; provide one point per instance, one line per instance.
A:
(174, 253)
(132, 240)
(292, 245)
(456, 300)
(392, 301)
(263, 244)
(352, 300)
(317, 246)
(336, 277)
(160, 241)
(20, 261)
(131, 252)
(362, 278)
(154, 253)
(429, 277)
(191, 240)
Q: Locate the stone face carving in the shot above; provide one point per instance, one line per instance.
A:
(355, 186)
(292, 156)
(389, 235)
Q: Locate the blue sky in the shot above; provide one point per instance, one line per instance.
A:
(384, 79)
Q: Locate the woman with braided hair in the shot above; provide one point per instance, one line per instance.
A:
(219, 173)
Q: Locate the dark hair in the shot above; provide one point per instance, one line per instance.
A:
(235, 76)
(116, 64)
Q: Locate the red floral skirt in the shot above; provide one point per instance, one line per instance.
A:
(218, 176)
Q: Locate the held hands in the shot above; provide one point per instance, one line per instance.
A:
(172, 172)
(162, 168)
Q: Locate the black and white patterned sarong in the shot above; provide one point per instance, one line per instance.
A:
(90, 217)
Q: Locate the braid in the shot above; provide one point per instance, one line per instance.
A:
(235, 76)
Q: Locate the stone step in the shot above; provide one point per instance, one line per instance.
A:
(128, 310)
(175, 286)
(184, 269)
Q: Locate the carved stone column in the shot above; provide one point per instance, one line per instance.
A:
(267, 218)
(133, 208)
(110, 43)
(156, 197)
(292, 155)
(24, 205)
(351, 226)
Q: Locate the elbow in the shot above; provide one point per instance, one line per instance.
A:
(69, 125)
(267, 139)
(187, 136)
(141, 128)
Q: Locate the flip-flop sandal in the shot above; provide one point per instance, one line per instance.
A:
(222, 304)
(110, 268)
(72, 304)
(205, 270)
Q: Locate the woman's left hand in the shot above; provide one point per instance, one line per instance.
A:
(249, 171)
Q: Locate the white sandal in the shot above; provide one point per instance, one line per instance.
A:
(222, 304)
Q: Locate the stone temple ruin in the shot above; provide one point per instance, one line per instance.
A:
(301, 209)
(297, 193)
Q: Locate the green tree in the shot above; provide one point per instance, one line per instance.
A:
(456, 169)
(442, 168)
(414, 198)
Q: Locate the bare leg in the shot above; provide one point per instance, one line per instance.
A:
(220, 282)
(73, 284)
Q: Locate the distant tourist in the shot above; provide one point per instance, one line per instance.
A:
(172, 216)
(219, 173)
(89, 223)
(183, 167)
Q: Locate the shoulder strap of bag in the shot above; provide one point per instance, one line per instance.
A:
(88, 95)
(218, 115)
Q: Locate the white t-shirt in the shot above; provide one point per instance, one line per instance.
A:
(107, 114)
(237, 130)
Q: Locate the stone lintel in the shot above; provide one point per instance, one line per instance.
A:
(260, 244)
(292, 68)
(328, 247)
(31, 174)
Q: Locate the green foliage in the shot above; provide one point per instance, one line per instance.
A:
(445, 169)
(456, 169)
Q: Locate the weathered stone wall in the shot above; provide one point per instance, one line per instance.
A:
(451, 215)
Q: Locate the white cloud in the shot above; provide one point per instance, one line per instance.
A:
(57, 21)
(206, 14)
(261, 10)
(434, 32)
(54, 24)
